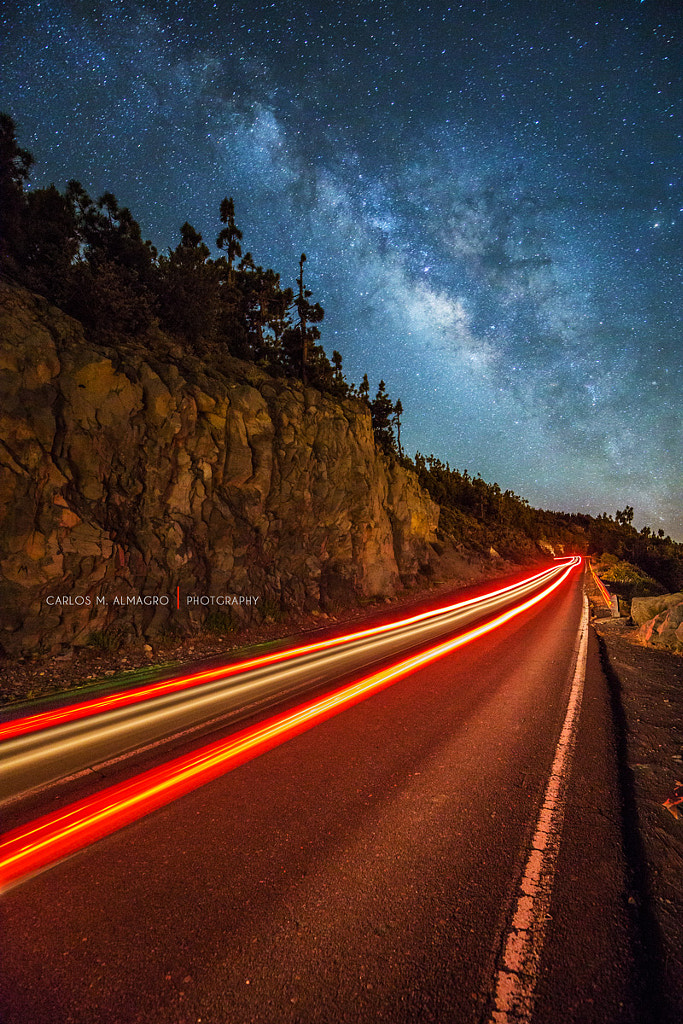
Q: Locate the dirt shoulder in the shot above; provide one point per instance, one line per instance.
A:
(647, 696)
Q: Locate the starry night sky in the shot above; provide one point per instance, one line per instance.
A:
(488, 194)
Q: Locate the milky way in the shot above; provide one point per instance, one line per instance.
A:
(488, 195)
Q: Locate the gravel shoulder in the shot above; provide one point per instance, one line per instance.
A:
(647, 697)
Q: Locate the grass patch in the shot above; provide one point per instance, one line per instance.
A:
(108, 641)
(131, 677)
(272, 609)
(219, 623)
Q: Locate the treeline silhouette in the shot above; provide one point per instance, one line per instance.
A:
(89, 258)
(659, 555)
(472, 510)
(476, 513)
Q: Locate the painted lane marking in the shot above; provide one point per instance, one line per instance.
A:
(519, 963)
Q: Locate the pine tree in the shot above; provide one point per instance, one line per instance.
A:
(15, 166)
(51, 243)
(339, 386)
(114, 275)
(302, 309)
(230, 236)
(264, 306)
(382, 410)
(299, 342)
(398, 412)
(624, 518)
(189, 288)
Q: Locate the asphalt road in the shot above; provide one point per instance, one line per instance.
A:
(115, 725)
(363, 871)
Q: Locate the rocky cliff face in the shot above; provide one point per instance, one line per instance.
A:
(125, 475)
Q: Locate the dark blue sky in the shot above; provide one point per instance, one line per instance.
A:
(489, 196)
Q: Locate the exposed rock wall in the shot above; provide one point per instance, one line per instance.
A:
(124, 476)
(660, 620)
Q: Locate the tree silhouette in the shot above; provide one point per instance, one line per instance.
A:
(302, 310)
(263, 306)
(340, 388)
(398, 412)
(113, 275)
(298, 342)
(382, 410)
(624, 518)
(15, 165)
(189, 283)
(230, 236)
(50, 244)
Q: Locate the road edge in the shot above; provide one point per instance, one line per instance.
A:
(649, 946)
(518, 963)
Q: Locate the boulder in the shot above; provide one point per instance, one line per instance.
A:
(665, 629)
(643, 609)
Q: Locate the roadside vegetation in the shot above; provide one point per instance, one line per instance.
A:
(627, 580)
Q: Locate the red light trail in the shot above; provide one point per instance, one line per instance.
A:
(41, 843)
(601, 586)
(98, 705)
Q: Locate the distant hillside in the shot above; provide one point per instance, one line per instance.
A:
(479, 514)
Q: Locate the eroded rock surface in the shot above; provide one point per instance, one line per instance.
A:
(126, 475)
(660, 620)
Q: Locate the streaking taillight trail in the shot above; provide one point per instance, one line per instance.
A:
(41, 757)
(110, 702)
(43, 842)
(601, 586)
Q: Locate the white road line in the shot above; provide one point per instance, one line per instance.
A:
(519, 962)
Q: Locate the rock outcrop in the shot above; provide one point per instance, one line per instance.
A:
(643, 609)
(125, 476)
(660, 620)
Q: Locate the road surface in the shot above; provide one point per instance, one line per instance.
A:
(366, 870)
